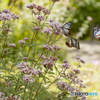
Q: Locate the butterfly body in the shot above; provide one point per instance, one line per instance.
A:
(97, 32)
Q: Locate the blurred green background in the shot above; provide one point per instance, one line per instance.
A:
(84, 14)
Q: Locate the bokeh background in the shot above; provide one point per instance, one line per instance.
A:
(84, 14)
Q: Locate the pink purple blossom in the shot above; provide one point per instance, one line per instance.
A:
(76, 71)
(22, 65)
(40, 17)
(56, 26)
(55, 47)
(26, 39)
(25, 58)
(39, 8)
(80, 60)
(12, 97)
(31, 6)
(7, 29)
(12, 45)
(47, 47)
(67, 66)
(8, 15)
(29, 70)
(5, 51)
(55, 0)
(9, 83)
(46, 11)
(22, 42)
(36, 28)
(1, 94)
(47, 30)
(28, 78)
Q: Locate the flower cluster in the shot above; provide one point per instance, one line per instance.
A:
(48, 62)
(22, 42)
(55, 0)
(36, 28)
(11, 97)
(12, 45)
(28, 79)
(51, 48)
(66, 64)
(64, 85)
(7, 29)
(36, 9)
(40, 17)
(47, 30)
(8, 15)
(76, 71)
(75, 79)
(1, 94)
(80, 60)
(29, 70)
(26, 39)
(56, 26)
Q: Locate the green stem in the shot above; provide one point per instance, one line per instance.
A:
(37, 92)
(24, 91)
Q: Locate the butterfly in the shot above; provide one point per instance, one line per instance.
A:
(96, 32)
(71, 42)
(67, 28)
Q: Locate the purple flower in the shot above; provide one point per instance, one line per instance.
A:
(7, 15)
(6, 11)
(39, 8)
(36, 28)
(22, 65)
(47, 30)
(5, 51)
(65, 61)
(55, 0)
(7, 29)
(12, 45)
(31, 6)
(76, 71)
(25, 58)
(1, 94)
(46, 11)
(28, 78)
(67, 66)
(26, 39)
(41, 18)
(56, 48)
(9, 83)
(80, 60)
(47, 47)
(77, 57)
(22, 42)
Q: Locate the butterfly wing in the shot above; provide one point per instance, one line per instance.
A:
(97, 34)
(95, 30)
(67, 28)
(71, 42)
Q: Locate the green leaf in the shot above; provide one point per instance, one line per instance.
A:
(29, 28)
